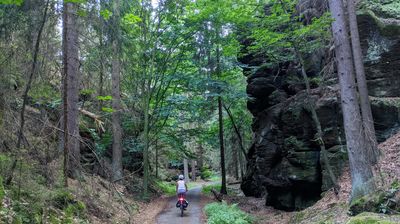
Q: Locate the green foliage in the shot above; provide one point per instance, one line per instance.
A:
(44, 93)
(395, 186)
(5, 162)
(168, 188)
(282, 32)
(379, 202)
(221, 213)
(11, 2)
(101, 143)
(131, 19)
(107, 109)
(207, 189)
(65, 201)
(106, 14)
(76, 1)
(82, 13)
(383, 8)
(370, 218)
(205, 173)
(62, 198)
(104, 98)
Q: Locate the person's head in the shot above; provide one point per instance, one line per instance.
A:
(181, 177)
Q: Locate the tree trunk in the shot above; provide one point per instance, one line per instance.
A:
(26, 92)
(116, 99)
(317, 124)
(102, 46)
(361, 173)
(222, 148)
(235, 127)
(193, 165)
(200, 162)
(186, 169)
(235, 159)
(156, 159)
(146, 165)
(241, 165)
(366, 112)
(71, 74)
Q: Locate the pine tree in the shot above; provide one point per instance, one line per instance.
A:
(361, 173)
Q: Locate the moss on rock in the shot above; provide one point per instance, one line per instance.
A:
(373, 218)
(384, 8)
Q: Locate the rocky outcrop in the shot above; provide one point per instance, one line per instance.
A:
(285, 165)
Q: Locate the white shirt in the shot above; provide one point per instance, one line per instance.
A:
(181, 185)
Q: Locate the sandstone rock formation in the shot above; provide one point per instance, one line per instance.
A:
(285, 165)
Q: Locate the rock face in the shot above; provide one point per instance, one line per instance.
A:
(285, 165)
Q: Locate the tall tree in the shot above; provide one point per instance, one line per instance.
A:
(193, 167)
(361, 173)
(368, 121)
(186, 169)
(27, 89)
(221, 121)
(71, 89)
(116, 97)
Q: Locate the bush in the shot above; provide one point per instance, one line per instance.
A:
(168, 188)
(222, 213)
(206, 173)
(207, 189)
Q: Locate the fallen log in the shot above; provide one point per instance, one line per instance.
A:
(233, 183)
(217, 196)
(95, 117)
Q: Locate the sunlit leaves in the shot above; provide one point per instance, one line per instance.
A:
(75, 1)
(81, 13)
(107, 109)
(106, 14)
(104, 98)
(131, 19)
(11, 2)
(283, 29)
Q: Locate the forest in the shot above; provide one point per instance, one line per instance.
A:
(200, 111)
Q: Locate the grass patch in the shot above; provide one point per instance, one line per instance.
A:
(168, 188)
(207, 189)
(215, 178)
(222, 213)
(370, 218)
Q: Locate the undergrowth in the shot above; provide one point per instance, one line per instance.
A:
(222, 213)
(167, 188)
(29, 199)
(207, 189)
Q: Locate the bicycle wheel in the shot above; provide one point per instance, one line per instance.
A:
(181, 210)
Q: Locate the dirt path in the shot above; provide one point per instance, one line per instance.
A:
(193, 214)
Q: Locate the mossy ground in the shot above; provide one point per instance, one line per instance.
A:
(373, 218)
(31, 200)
